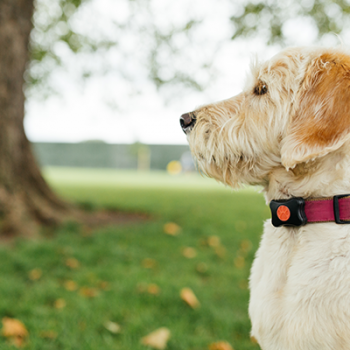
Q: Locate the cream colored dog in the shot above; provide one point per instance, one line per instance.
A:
(289, 131)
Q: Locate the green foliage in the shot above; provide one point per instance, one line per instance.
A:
(116, 254)
(161, 49)
(56, 31)
(268, 18)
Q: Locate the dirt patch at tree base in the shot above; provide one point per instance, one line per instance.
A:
(103, 218)
(88, 220)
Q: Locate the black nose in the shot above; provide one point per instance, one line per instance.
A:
(187, 122)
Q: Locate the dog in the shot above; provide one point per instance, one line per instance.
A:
(289, 132)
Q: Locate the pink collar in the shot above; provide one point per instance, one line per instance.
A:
(298, 212)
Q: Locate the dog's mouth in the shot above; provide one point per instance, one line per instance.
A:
(188, 129)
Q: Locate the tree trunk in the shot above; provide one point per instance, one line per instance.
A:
(26, 201)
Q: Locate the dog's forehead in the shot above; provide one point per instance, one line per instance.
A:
(286, 68)
(285, 62)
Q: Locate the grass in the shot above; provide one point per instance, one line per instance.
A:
(113, 267)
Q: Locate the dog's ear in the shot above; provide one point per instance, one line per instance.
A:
(321, 123)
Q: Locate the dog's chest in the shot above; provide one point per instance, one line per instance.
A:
(300, 288)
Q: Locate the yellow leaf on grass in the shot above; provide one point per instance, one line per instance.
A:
(221, 345)
(189, 298)
(17, 342)
(104, 285)
(214, 241)
(48, 334)
(171, 228)
(60, 304)
(72, 263)
(13, 328)
(112, 327)
(220, 251)
(157, 339)
(239, 262)
(88, 292)
(253, 340)
(202, 267)
(153, 289)
(246, 245)
(189, 252)
(70, 286)
(149, 263)
(35, 274)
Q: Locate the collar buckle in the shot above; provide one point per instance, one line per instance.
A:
(336, 209)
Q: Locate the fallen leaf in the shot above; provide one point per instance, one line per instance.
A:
(112, 327)
(13, 328)
(202, 267)
(220, 251)
(70, 286)
(239, 262)
(48, 334)
(157, 339)
(203, 242)
(246, 245)
(88, 292)
(214, 241)
(153, 289)
(149, 263)
(253, 340)
(221, 345)
(35, 274)
(189, 252)
(72, 263)
(189, 298)
(104, 285)
(171, 228)
(60, 304)
(18, 342)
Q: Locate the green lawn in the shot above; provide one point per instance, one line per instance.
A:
(114, 266)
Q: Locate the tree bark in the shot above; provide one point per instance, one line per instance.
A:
(26, 201)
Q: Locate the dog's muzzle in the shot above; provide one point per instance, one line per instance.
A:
(187, 122)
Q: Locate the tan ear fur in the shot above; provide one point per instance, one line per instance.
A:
(321, 123)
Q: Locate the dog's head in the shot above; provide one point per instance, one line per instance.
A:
(294, 109)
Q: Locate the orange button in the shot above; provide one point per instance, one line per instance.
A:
(283, 213)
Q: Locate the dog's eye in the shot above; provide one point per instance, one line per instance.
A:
(260, 89)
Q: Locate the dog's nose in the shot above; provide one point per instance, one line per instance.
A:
(187, 122)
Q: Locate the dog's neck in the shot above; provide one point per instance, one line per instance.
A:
(324, 177)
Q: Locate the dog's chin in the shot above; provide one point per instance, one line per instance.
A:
(226, 177)
(235, 170)
(231, 172)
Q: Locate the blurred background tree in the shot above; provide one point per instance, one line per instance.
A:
(46, 28)
(59, 27)
(275, 19)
